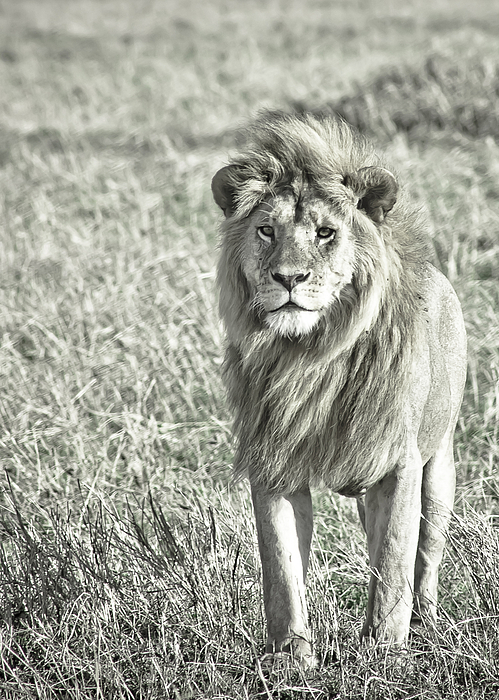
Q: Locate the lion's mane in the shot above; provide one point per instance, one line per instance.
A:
(327, 407)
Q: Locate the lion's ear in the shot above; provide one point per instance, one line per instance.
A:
(377, 191)
(224, 189)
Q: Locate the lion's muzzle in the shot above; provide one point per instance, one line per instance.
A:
(289, 282)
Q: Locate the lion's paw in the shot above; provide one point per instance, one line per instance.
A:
(280, 662)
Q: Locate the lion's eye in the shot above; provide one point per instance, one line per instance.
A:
(326, 232)
(265, 232)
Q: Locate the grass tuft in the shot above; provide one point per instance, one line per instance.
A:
(125, 605)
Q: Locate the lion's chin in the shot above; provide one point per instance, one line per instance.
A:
(292, 322)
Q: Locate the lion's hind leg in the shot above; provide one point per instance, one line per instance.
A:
(438, 487)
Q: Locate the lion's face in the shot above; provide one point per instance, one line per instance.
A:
(298, 255)
(300, 244)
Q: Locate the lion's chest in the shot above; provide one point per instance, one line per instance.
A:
(301, 421)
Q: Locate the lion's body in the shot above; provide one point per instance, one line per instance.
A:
(345, 363)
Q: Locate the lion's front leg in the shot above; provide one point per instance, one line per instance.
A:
(284, 526)
(392, 514)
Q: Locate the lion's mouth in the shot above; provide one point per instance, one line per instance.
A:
(292, 320)
(291, 306)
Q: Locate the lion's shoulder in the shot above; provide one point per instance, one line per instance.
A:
(439, 293)
(447, 333)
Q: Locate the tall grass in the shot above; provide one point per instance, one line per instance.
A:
(128, 564)
(132, 605)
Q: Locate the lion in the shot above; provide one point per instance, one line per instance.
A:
(345, 366)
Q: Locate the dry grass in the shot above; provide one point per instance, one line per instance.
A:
(139, 605)
(128, 564)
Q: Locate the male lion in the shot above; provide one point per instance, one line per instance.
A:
(345, 366)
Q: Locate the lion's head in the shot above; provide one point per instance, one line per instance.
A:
(318, 271)
(305, 208)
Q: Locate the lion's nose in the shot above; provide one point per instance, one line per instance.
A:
(289, 282)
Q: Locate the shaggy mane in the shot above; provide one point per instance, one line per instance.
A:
(325, 408)
(282, 148)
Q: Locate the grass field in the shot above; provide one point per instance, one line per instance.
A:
(128, 562)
